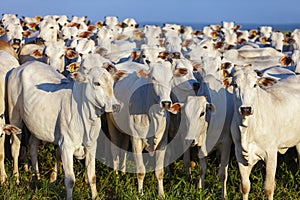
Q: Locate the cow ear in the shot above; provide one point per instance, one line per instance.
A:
(38, 53)
(211, 107)
(143, 73)
(285, 60)
(135, 54)
(175, 108)
(119, 75)
(78, 77)
(71, 53)
(179, 72)
(266, 82)
(73, 67)
(227, 82)
(9, 129)
(110, 68)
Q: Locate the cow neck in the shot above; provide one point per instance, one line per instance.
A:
(83, 105)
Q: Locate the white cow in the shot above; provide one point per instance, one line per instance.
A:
(143, 116)
(87, 97)
(8, 61)
(262, 124)
(213, 132)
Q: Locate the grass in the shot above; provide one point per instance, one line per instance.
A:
(112, 186)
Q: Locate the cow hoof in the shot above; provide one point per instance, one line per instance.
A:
(3, 179)
(53, 176)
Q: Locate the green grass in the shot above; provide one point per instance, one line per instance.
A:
(112, 186)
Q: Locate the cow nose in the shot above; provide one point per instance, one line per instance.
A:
(17, 41)
(246, 110)
(166, 104)
(116, 107)
(196, 86)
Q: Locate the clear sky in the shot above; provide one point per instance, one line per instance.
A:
(164, 11)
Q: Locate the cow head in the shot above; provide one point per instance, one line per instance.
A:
(97, 83)
(195, 110)
(247, 85)
(160, 76)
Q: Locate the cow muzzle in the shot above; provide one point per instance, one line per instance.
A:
(246, 110)
(166, 104)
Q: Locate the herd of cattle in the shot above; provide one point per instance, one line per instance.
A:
(209, 88)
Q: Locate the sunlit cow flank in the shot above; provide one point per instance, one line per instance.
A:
(87, 97)
(8, 61)
(264, 123)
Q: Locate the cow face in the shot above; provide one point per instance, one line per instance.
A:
(195, 110)
(99, 89)
(14, 35)
(160, 76)
(244, 82)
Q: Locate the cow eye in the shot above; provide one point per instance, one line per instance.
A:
(97, 83)
(205, 47)
(202, 114)
(255, 85)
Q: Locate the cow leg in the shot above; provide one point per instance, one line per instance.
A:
(67, 162)
(2, 157)
(245, 171)
(223, 173)
(15, 151)
(159, 171)
(53, 175)
(203, 167)
(123, 152)
(119, 146)
(137, 146)
(187, 162)
(298, 154)
(271, 164)
(90, 163)
(34, 145)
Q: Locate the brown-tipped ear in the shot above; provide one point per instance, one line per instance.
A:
(121, 37)
(110, 68)
(11, 129)
(266, 82)
(135, 54)
(71, 53)
(175, 108)
(85, 34)
(227, 82)
(164, 55)
(196, 66)
(119, 75)
(226, 65)
(143, 73)
(38, 53)
(286, 60)
(78, 77)
(180, 72)
(186, 43)
(73, 67)
(2, 31)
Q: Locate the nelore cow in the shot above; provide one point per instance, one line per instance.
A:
(265, 122)
(63, 112)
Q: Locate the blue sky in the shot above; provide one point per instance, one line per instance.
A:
(164, 11)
